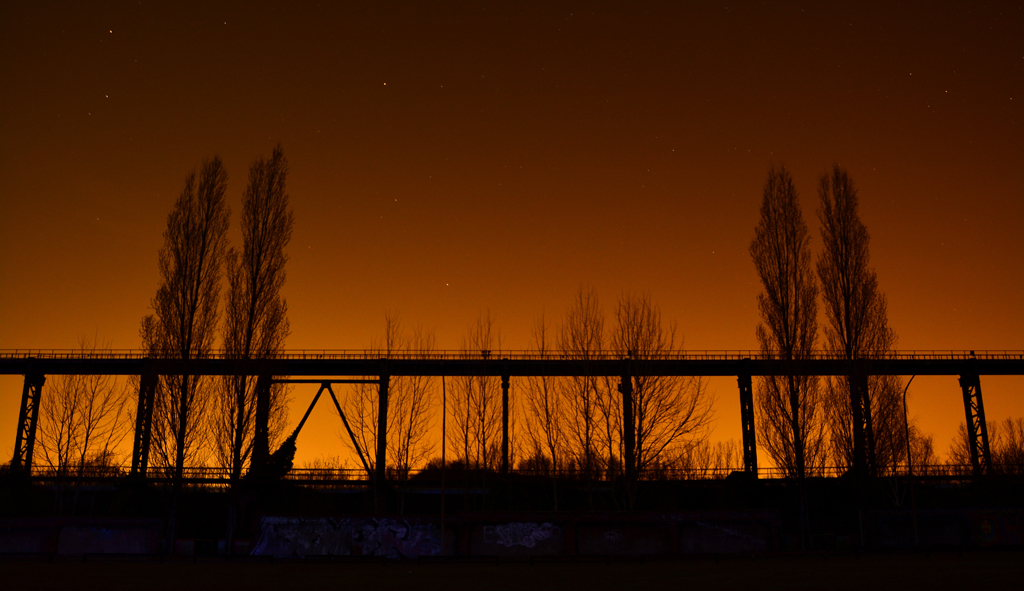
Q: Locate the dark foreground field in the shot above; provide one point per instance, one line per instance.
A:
(968, 570)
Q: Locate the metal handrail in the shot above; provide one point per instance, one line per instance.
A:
(211, 474)
(511, 354)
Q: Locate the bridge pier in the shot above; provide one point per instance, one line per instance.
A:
(628, 427)
(380, 468)
(747, 419)
(28, 416)
(860, 406)
(869, 429)
(143, 423)
(977, 429)
(504, 423)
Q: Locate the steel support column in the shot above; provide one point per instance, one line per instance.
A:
(747, 419)
(628, 427)
(861, 411)
(28, 416)
(869, 429)
(380, 468)
(261, 431)
(143, 423)
(505, 424)
(977, 429)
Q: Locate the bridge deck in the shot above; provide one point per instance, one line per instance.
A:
(510, 363)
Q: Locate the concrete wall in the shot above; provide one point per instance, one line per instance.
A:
(944, 528)
(522, 535)
(627, 538)
(75, 537)
(515, 538)
(294, 537)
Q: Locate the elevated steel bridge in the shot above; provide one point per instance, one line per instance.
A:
(375, 366)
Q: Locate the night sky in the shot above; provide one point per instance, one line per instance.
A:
(451, 159)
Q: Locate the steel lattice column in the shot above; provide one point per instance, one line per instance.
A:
(628, 427)
(25, 439)
(143, 423)
(380, 469)
(504, 423)
(977, 430)
(861, 411)
(747, 418)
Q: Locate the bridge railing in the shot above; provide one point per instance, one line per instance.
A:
(511, 354)
(216, 476)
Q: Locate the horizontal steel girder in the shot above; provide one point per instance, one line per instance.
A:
(552, 366)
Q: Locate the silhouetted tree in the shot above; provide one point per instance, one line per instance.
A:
(411, 401)
(857, 326)
(889, 435)
(186, 313)
(707, 460)
(582, 338)
(476, 400)
(670, 413)
(1006, 445)
(255, 314)
(789, 414)
(326, 468)
(544, 408)
(922, 451)
(361, 405)
(958, 459)
(1008, 456)
(82, 420)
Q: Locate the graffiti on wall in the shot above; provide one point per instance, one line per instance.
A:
(284, 537)
(519, 533)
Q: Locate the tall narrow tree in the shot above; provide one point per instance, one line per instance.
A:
(857, 326)
(256, 316)
(186, 312)
(789, 409)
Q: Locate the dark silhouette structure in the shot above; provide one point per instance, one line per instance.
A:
(292, 366)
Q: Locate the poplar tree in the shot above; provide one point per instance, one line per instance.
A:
(255, 314)
(857, 327)
(184, 323)
(789, 407)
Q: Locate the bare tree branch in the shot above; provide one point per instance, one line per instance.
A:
(476, 401)
(411, 404)
(544, 407)
(671, 413)
(582, 338)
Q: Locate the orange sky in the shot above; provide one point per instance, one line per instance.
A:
(450, 160)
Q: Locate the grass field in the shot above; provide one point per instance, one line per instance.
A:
(968, 570)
